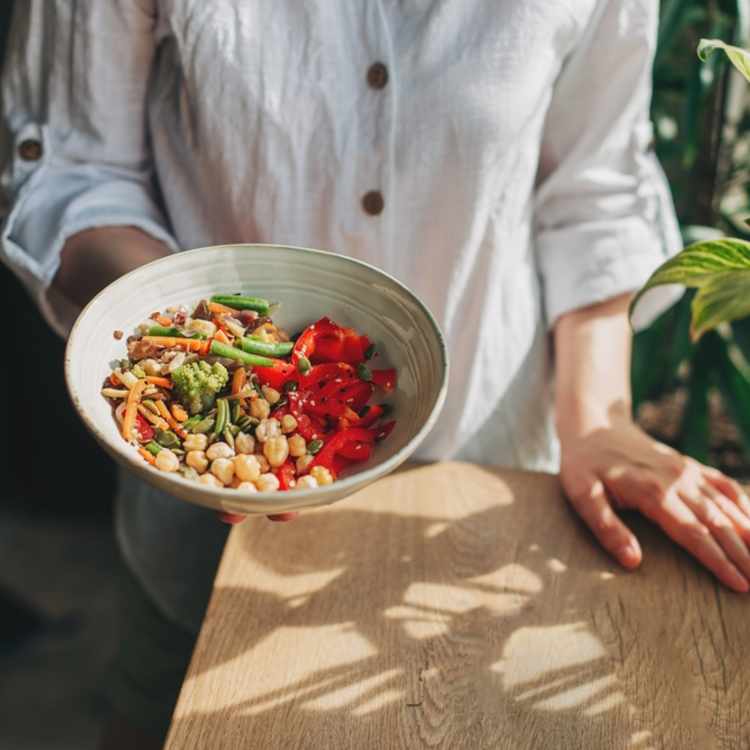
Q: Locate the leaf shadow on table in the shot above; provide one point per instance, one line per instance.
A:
(489, 620)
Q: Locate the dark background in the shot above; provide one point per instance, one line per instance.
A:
(48, 461)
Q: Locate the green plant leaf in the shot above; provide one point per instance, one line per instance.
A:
(739, 57)
(720, 271)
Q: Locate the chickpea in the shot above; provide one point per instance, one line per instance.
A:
(306, 483)
(247, 467)
(267, 483)
(198, 460)
(297, 446)
(288, 424)
(219, 450)
(270, 394)
(267, 429)
(276, 450)
(223, 470)
(247, 487)
(210, 480)
(195, 442)
(263, 461)
(303, 463)
(167, 461)
(322, 475)
(260, 408)
(244, 443)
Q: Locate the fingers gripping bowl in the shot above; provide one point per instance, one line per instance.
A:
(309, 285)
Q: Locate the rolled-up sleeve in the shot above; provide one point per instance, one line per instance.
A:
(74, 141)
(604, 218)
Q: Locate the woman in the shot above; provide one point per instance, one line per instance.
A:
(492, 156)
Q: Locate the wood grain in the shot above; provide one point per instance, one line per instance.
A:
(453, 607)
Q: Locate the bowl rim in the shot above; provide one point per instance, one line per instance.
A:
(306, 497)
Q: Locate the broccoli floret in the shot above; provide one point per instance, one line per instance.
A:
(197, 384)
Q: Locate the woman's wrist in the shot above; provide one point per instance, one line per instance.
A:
(592, 352)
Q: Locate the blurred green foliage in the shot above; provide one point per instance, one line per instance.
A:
(702, 127)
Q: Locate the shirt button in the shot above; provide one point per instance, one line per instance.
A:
(377, 76)
(30, 150)
(373, 203)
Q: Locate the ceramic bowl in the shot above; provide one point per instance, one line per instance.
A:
(308, 284)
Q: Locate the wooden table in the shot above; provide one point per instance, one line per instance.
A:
(451, 606)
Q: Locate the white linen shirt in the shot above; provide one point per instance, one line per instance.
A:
(509, 143)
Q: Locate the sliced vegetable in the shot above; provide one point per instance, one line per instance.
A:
(260, 306)
(266, 348)
(172, 342)
(224, 350)
(386, 379)
(173, 332)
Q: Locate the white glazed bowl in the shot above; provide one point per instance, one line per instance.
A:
(309, 284)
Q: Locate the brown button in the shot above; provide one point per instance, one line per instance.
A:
(377, 76)
(373, 203)
(30, 150)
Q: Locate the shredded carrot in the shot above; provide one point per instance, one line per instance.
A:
(171, 342)
(178, 412)
(239, 379)
(160, 405)
(221, 336)
(215, 307)
(149, 416)
(148, 456)
(162, 320)
(163, 382)
(134, 398)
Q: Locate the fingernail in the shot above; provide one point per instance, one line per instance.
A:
(738, 580)
(628, 555)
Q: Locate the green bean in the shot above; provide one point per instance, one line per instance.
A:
(229, 438)
(235, 410)
(204, 426)
(247, 424)
(190, 423)
(222, 415)
(175, 333)
(260, 306)
(266, 348)
(224, 350)
(153, 447)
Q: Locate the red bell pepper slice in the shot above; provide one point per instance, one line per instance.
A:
(386, 379)
(320, 374)
(144, 429)
(311, 428)
(325, 341)
(277, 376)
(373, 413)
(355, 451)
(340, 438)
(338, 464)
(286, 475)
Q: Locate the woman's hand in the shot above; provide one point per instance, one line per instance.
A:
(619, 466)
(237, 518)
(608, 462)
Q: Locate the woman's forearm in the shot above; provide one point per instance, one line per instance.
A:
(592, 358)
(94, 258)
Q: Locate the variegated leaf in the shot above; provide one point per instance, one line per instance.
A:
(720, 271)
(740, 58)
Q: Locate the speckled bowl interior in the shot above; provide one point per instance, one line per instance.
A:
(308, 284)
